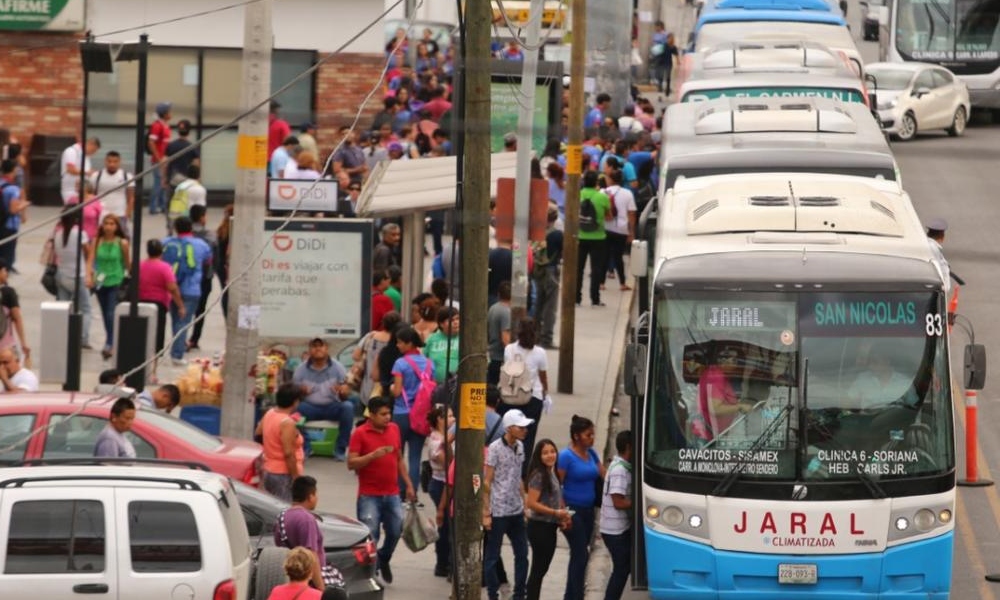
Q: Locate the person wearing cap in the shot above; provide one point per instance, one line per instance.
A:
(307, 138)
(278, 129)
(503, 503)
(325, 392)
(936, 229)
(69, 167)
(156, 143)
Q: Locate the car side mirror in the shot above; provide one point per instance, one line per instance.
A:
(635, 370)
(255, 527)
(921, 91)
(975, 367)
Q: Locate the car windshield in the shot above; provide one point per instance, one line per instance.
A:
(891, 79)
(175, 427)
(731, 388)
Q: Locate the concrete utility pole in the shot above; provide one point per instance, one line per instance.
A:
(574, 160)
(649, 13)
(248, 222)
(522, 183)
(475, 221)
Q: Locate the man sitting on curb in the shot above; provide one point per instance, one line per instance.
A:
(326, 395)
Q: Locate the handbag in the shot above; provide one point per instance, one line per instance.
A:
(49, 279)
(418, 530)
(123, 289)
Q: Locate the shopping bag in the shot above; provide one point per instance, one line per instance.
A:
(418, 530)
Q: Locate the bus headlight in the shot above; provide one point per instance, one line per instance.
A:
(695, 521)
(945, 516)
(902, 524)
(673, 516)
(887, 105)
(924, 519)
(653, 511)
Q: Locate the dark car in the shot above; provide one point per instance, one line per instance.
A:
(347, 542)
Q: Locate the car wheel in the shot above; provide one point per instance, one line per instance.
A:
(269, 571)
(907, 128)
(958, 123)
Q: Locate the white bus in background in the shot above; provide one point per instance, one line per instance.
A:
(962, 35)
(772, 69)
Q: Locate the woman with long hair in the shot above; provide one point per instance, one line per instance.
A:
(109, 261)
(547, 512)
(368, 350)
(536, 364)
(73, 273)
(427, 324)
(405, 383)
(579, 469)
(441, 421)
(282, 444)
(158, 284)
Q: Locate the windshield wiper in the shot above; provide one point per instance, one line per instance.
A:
(873, 486)
(734, 474)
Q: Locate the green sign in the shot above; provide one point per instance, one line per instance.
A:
(506, 101)
(844, 95)
(42, 15)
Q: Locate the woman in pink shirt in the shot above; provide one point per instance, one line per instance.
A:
(92, 210)
(157, 284)
(299, 566)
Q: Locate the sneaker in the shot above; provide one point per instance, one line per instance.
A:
(340, 456)
(178, 362)
(385, 573)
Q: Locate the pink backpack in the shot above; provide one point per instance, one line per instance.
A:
(422, 402)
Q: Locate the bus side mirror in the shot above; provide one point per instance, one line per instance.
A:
(975, 366)
(639, 258)
(635, 370)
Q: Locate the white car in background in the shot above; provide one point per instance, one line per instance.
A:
(914, 96)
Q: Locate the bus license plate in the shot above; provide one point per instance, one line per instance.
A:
(796, 574)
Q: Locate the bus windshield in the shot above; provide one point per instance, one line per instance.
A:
(799, 386)
(965, 30)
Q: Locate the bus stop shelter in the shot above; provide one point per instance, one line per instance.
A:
(409, 189)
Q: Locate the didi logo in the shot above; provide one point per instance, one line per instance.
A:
(283, 243)
(287, 192)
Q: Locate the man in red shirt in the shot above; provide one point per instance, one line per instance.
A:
(376, 455)
(156, 144)
(277, 129)
(381, 304)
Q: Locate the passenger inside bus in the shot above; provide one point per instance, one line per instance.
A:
(880, 384)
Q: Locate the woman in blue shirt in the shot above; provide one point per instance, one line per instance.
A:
(405, 382)
(579, 468)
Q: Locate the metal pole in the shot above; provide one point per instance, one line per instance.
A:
(649, 12)
(248, 220)
(132, 328)
(522, 183)
(475, 220)
(75, 324)
(574, 159)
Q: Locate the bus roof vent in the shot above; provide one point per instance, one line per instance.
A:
(762, 117)
(818, 201)
(882, 208)
(770, 201)
(704, 209)
(767, 55)
(821, 5)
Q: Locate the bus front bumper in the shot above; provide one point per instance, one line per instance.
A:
(679, 569)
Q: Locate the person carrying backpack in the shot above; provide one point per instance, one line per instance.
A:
(525, 366)
(187, 256)
(595, 209)
(412, 387)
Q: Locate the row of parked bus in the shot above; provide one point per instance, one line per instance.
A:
(790, 367)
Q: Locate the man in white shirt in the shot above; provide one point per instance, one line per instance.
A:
(15, 377)
(165, 399)
(69, 167)
(621, 229)
(120, 202)
(188, 193)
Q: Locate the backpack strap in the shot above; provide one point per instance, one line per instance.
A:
(416, 371)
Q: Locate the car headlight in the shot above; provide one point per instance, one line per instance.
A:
(887, 105)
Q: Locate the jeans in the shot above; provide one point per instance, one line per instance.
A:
(513, 527)
(578, 537)
(179, 345)
(107, 298)
(546, 304)
(64, 291)
(413, 448)
(382, 513)
(341, 412)
(533, 410)
(542, 537)
(616, 254)
(442, 547)
(620, 548)
(206, 289)
(597, 250)
(158, 195)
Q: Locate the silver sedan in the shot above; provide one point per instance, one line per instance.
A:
(916, 96)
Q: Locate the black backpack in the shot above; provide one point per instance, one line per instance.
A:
(643, 195)
(588, 216)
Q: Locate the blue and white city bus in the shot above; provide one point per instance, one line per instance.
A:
(792, 386)
(962, 35)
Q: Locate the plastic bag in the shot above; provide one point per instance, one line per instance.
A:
(418, 530)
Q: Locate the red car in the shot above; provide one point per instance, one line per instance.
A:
(154, 434)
